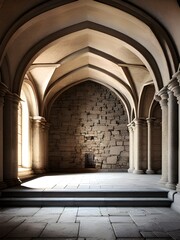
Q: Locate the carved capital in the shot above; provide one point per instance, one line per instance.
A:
(3, 89)
(150, 120)
(174, 86)
(131, 126)
(40, 122)
(13, 98)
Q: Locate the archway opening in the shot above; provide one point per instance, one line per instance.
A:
(88, 129)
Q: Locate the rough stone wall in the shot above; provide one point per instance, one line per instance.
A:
(88, 123)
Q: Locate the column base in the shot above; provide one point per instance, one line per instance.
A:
(149, 171)
(39, 171)
(3, 185)
(163, 181)
(171, 186)
(138, 171)
(12, 182)
(178, 187)
(130, 170)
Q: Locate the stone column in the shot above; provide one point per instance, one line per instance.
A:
(39, 145)
(10, 146)
(45, 129)
(162, 97)
(172, 141)
(131, 147)
(137, 146)
(3, 90)
(149, 145)
(174, 86)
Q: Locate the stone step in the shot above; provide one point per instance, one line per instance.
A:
(84, 202)
(84, 198)
(28, 193)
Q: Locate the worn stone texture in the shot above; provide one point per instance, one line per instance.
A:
(88, 119)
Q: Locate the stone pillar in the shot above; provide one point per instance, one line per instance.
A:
(137, 146)
(174, 86)
(45, 129)
(163, 99)
(131, 147)
(39, 147)
(3, 90)
(149, 146)
(10, 146)
(172, 141)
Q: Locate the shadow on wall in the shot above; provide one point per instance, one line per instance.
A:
(88, 129)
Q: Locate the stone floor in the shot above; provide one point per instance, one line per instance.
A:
(96, 180)
(90, 223)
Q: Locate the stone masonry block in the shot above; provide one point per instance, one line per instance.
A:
(112, 160)
(116, 150)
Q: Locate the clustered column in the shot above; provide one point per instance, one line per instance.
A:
(131, 147)
(149, 146)
(40, 139)
(172, 141)
(10, 143)
(174, 86)
(137, 147)
(162, 97)
(3, 90)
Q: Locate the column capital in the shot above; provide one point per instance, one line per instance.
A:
(150, 120)
(12, 97)
(38, 119)
(40, 122)
(162, 97)
(131, 125)
(174, 86)
(3, 89)
(177, 74)
(139, 121)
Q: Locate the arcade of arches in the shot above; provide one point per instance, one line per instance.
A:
(90, 84)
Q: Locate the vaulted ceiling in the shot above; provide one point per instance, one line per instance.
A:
(57, 44)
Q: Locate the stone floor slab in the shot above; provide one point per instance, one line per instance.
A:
(17, 238)
(5, 218)
(170, 226)
(161, 234)
(44, 219)
(96, 228)
(85, 211)
(114, 211)
(29, 211)
(6, 228)
(28, 230)
(126, 230)
(63, 230)
(49, 211)
(175, 235)
(120, 219)
(68, 215)
(148, 234)
(149, 227)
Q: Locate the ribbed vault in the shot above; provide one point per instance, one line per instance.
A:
(67, 42)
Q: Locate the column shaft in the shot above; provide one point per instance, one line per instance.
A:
(3, 90)
(137, 149)
(10, 147)
(131, 147)
(39, 155)
(174, 86)
(149, 146)
(172, 141)
(163, 103)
